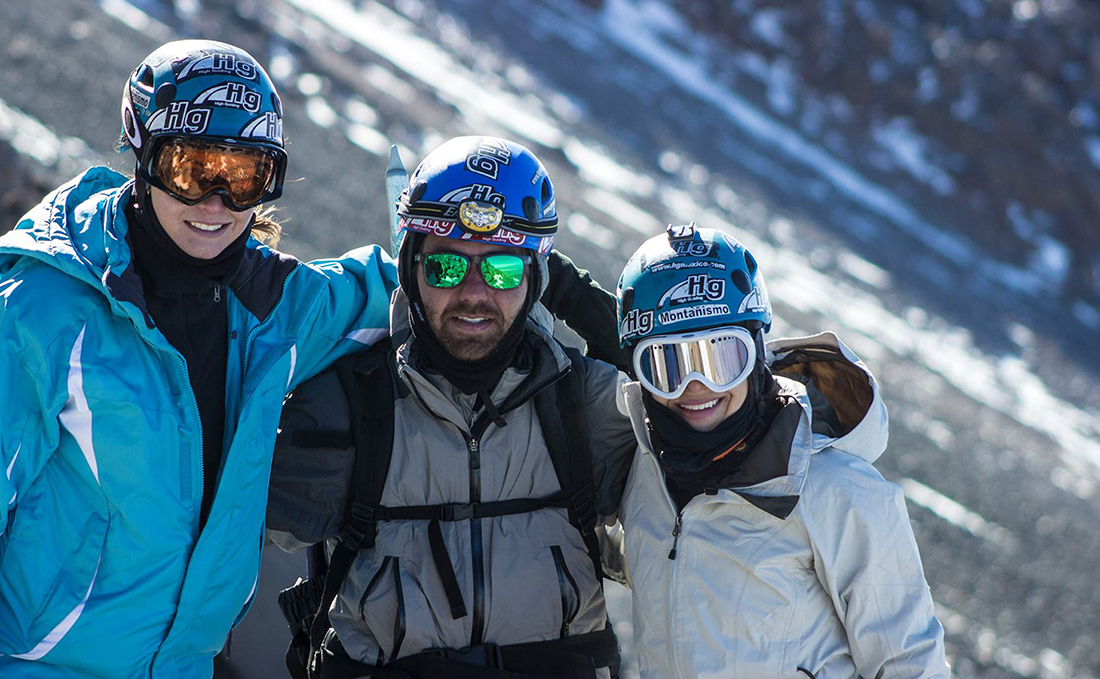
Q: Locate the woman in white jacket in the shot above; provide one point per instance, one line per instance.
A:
(759, 540)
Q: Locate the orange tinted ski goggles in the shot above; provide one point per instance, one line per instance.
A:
(192, 170)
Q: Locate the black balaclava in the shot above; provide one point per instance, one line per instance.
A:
(691, 455)
(470, 377)
(165, 262)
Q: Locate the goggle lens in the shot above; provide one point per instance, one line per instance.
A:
(722, 359)
(192, 170)
(448, 270)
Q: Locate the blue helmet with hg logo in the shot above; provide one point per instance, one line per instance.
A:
(202, 89)
(692, 305)
(688, 280)
(483, 189)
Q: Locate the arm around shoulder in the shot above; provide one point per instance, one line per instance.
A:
(312, 466)
(611, 436)
(349, 308)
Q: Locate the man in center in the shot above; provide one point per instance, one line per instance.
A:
(458, 468)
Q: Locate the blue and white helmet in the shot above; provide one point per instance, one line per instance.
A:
(484, 189)
(687, 280)
(206, 90)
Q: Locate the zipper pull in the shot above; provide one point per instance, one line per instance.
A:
(217, 292)
(676, 534)
(475, 456)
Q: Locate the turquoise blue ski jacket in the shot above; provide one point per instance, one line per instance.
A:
(103, 569)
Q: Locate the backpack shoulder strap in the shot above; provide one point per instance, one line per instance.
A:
(369, 379)
(565, 429)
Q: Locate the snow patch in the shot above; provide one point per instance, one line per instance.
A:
(956, 514)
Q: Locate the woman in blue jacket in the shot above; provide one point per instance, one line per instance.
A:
(147, 339)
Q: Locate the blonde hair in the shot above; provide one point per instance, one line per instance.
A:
(266, 228)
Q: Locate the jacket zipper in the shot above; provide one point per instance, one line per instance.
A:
(676, 529)
(473, 447)
(563, 576)
(217, 292)
(477, 633)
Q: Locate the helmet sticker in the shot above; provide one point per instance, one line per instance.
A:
(180, 116)
(693, 313)
(266, 126)
(697, 288)
(753, 303)
(694, 248)
(490, 155)
(478, 192)
(231, 95)
(129, 124)
(677, 265)
(218, 63)
(636, 323)
(138, 97)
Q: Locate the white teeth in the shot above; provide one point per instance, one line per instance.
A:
(202, 226)
(468, 319)
(700, 406)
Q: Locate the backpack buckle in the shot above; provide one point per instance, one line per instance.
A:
(456, 512)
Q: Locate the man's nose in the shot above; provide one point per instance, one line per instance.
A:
(473, 286)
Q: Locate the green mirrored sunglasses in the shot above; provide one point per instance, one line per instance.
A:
(448, 269)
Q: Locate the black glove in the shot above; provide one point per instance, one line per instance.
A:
(572, 296)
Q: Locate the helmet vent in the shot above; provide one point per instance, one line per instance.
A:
(750, 263)
(531, 208)
(165, 94)
(146, 78)
(276, 104)
(626, 300)
(417, 192)
(741, 280)
(545, 190)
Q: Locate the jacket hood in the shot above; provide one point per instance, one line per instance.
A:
(79, 228)
(834, 403)
(847, 412)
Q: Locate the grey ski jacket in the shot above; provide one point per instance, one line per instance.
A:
(524, 577)
(805, 565)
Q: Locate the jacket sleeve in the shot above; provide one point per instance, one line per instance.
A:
(866, 557)
(32, 401)
(352, 310)
(311, 472)
(611, 437)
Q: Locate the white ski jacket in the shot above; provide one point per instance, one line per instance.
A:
(803, 564)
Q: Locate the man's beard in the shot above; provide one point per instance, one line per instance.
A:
(462, 346)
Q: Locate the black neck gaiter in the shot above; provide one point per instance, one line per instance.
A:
(479, 376)
(692, 455)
